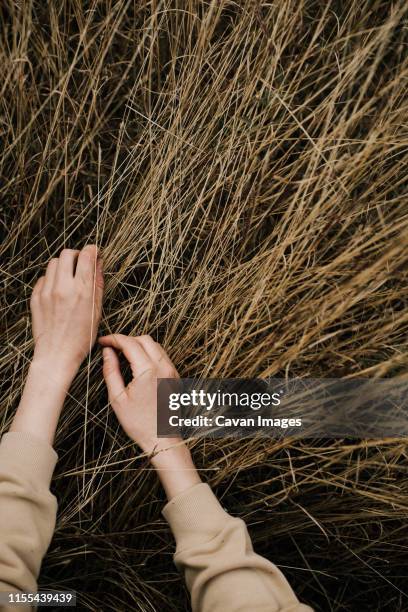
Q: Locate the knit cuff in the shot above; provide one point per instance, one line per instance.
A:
(195, 516)
(30, 456)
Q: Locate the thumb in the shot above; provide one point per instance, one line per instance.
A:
(112, 375)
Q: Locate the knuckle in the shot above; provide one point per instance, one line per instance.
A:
(88, 253)
(36, 289)
(108, 369)
(45, 295)
(118, 337)
(53, 262)
(146, 338)
(35, 298)
(61, 292)
(57, 294)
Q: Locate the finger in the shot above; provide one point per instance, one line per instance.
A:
(151, 347)
(39, 284)
(86, 264)
(37, 287)
(157, 353)
(112, 374)
(132, 349)
(50, 274)
(66, 264)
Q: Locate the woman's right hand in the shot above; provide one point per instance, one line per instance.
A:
(135, 405)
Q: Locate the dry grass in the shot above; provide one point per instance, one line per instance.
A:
(243, 166)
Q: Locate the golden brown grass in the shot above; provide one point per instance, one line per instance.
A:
(243, 166)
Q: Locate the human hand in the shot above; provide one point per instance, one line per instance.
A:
(135, 405)
(66, 306)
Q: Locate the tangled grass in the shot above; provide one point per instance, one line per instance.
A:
(243, 166)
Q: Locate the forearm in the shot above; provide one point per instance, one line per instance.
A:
(41, 403)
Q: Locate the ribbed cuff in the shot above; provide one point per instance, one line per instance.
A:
(34, 458)
(195, 516)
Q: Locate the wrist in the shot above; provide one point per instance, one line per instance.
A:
(42, 400)
(175, 468)
(56, 370)
(168, 450)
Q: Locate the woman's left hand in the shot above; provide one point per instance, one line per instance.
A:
(66, 306)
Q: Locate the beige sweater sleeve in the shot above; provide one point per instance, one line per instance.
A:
(27, 510)
(222, 571)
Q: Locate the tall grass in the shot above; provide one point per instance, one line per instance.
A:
(243, 166)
